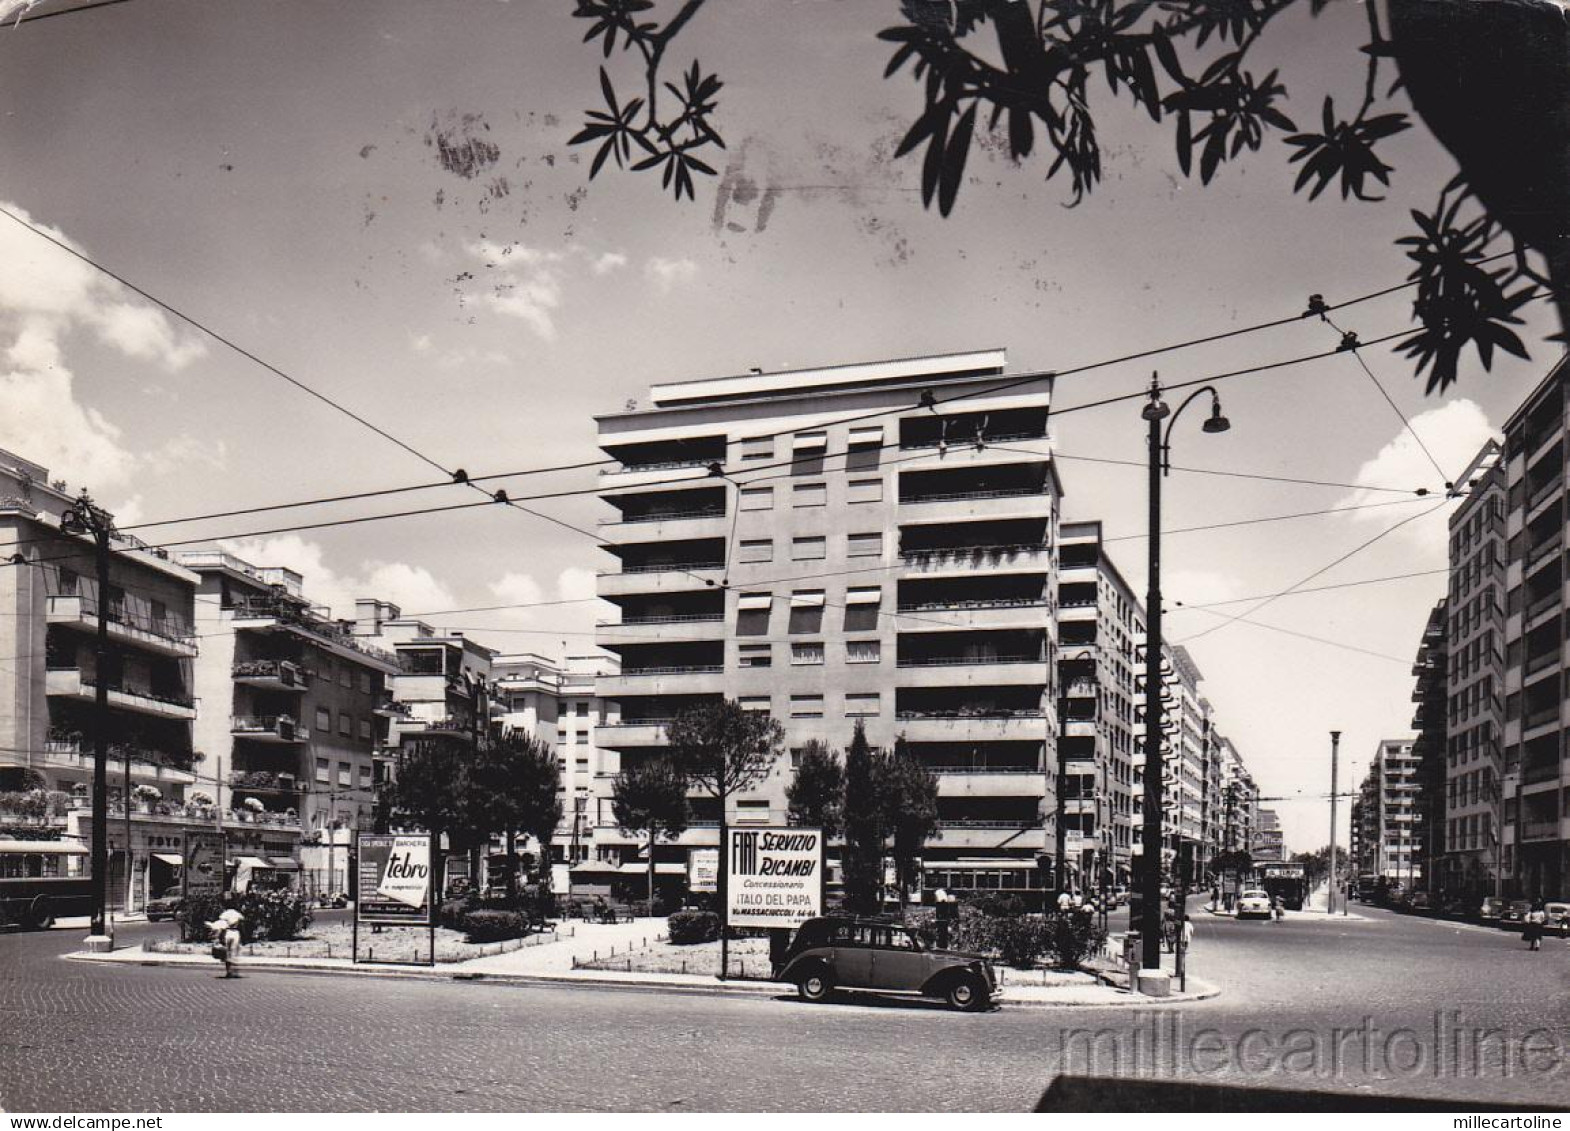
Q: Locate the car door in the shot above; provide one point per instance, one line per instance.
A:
(898, 963)
(853, 958)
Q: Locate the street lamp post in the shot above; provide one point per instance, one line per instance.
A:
(84, 517)
(1154, 413)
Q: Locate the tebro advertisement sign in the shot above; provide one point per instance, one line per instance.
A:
(773, 878)
(203, 871)
(395, 879)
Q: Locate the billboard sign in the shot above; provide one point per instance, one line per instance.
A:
(394, 879)
(703, 869)
(202, 872)
(774, 878)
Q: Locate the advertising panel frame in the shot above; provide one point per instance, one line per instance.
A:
(373, 853)
(788, 865)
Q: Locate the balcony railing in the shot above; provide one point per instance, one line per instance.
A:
(166, 627)
(971, 553)
(970, 823)
(679, 618)
(1535, 772)
(1542, 550)
(661, 465)
(286, 673)
(1542, 718)
(1022, 713)
(676, 669)
(118, 687)
(626, 723)
(1542, 605)
(985, 769)
(1539, 830)
(1542, 660)
(964, 606)
(967, 661)
(963, 440)
(962, 496)
(670, 516)
(668, 567)
(299, 615)
(281, 725)
(1542, 492)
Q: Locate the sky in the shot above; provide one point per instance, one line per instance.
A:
(285, 174)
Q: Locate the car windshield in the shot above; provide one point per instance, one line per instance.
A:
(1255, 895)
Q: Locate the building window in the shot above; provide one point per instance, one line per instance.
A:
(365, 729)
(809, 549)
(810, 495)
(365, 683)
(863, 651)
(757, 498)
(581, 709)
(757, 447)
(865, 491)
(69, 582)
(861, 705)
(365, 776)
(345, 770)
(806, 706)
(752, 812)
(324, 720)
(756, 550)
(345, 723)
(806, 652)
(759, 703)
(864, 545)
(323, 771)
(756, 655)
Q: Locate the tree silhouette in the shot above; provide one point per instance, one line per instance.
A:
(522, 779)
(816, 794)
(866, 826)
(910, 801)
(1490, 81)
(650, 797)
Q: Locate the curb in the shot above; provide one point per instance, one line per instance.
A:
(1123, 999)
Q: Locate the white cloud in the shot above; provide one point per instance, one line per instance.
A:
(413, 588)
(185, 450)
(45, 294)
(575, 583)
(518, 589)
(523, 282)
(610, 261)
(669, 272)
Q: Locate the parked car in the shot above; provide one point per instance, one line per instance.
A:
(871, 954)
(1455, 907)
(1558, 917)
(1253, 904)
(1418, 903)
(1491, 910)
(1515, 913)
(164, 906)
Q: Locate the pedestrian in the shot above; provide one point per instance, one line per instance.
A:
(1536, 919)
(1065, 901)
(1278, 908)
(1188, 932)
(226, 940)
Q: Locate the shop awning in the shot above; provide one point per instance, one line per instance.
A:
(60, 847)
(169, 858)
(251, 862)
(285, 864)
(754, 601)
(872, 434)
(659, 869)
(807, 600)
(870, 596)
(809, 440)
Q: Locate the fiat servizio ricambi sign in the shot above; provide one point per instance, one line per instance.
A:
(774, 877)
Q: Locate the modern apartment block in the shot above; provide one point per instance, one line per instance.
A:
(1239, 801)
(1537, 784)
(872, 542)
(1430, 693)
(50, 611)
(292, 709)
(1099, 622)
(1389, 816)
(1473, 862)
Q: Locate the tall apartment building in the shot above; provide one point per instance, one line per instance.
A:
(1389, 816)
(1537, 781)
(50, 612)
(1099, 622)
(1269, 842)
(1187, 725)
(292, 710)
(1430, 693)
(871, 542)
(1239, 801)
(1473, 863)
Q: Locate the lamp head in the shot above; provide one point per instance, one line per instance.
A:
(1156, 410)
(1216, 422)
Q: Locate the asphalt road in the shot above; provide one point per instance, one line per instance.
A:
(1338, 1009)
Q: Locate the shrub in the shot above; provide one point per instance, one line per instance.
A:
(265, 915)
(452, 912)
(1020, 941)
(1070, 939)
(689, 927)
(999, 906)
(485, 926)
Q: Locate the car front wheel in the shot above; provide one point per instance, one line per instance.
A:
(815, 986)
(966, 994)
(42, 915)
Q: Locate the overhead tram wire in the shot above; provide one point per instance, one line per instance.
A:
(33, 17)
(1180, 606)
(1403, 661)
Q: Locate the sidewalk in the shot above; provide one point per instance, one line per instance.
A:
(555, 964)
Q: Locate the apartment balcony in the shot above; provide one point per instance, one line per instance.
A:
(70, 683)
(165, 636)
(673, 679)
(1540, 553)
(992, 834)
(967, 781)
(625, 735)
(671, 526)
(932, 727)
(448, 726)
(953, 506)
(389, 708)
(673, 471)
(77, 754)
(1538, 830)
(1068, 614)
(1548, 716)
(656, 579)
(271, 675)
(992, 671)
(1026, 557)
(688, 628)
(278, 614)
(276, 729)
(1001, 614)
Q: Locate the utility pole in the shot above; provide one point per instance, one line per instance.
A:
(84, 517)
(125, 804)
(1330, 884)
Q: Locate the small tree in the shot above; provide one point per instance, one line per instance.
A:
(650, 797)
(724, 749)
(816, 794)
(910, 799)
(428, 792)
(865, 824)
(525, 783)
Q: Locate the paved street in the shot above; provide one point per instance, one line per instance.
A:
(76, 1036)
